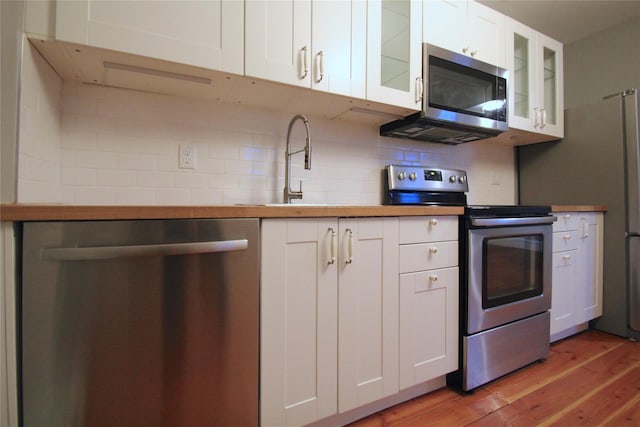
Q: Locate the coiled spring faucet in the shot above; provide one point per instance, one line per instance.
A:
(288, 193)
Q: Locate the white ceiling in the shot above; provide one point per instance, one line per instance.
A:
(568, 20)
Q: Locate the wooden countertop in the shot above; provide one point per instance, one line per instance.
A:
(578, 208)
(29, 212)
(37, 212)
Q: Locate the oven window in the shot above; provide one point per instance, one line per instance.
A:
(512, 269)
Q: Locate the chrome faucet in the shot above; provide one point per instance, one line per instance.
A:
(288, 193)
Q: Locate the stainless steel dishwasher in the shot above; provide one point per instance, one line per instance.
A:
(140, 323)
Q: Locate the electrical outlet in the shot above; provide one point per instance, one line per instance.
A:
(187, 156)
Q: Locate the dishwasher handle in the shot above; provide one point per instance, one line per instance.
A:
(114, 252)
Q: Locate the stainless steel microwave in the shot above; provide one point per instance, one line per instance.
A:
(463, 100)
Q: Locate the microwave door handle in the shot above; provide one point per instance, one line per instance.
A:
(419, 89)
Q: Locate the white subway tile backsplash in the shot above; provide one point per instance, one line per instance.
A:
(190, 180)
(136, 161)
(116, 146)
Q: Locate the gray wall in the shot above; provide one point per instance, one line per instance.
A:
(586, 167)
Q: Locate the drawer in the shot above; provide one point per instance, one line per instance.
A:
(428, 229)
(565, 241)
(427, 256)
(564, 259)
(566, 221)
(423, 281)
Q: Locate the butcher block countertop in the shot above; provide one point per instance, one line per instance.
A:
(37, 212)
(578, 208)
(28, 212)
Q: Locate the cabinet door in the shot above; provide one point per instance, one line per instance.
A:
(466, 27)
(394, 52)
(207, 34)
(445, 23)
(550, 87)
(590, 263)
(428, 325)
(298, 322)
(521, 60)
(339, 47)
(278, 41)
(486, 34)
(563, 292)
(368, 311)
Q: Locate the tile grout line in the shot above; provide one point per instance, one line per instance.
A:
(548, 421)
(554, 378)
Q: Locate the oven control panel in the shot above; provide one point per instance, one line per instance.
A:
(419, 178)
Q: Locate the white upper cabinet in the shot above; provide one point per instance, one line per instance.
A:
(206, 34)
(465, 27)
(315, 44)
(394, 52)
(536, 89)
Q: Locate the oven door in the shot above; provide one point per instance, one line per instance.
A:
(508, 275)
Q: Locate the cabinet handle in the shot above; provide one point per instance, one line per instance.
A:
(566, 217)
(474, 52)
(465, 49)
(303, 60)
(320, 64)
(585, 228)
(567, 237)
(566, 257)
(433, 278)
(349, 259)
(543, 122)
(332, 246)
(433, 250)
(419, 89)
(536, 117)
(433, 222)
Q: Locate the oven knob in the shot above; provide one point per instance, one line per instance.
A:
(453, 178)
(413, 176)
(462, 179)
(402, 175)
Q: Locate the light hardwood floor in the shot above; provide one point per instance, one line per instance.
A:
(590, 379)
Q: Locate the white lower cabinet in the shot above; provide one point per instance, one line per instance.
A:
(576, 295)
(428, 298)
(329, 316)
(590, 265)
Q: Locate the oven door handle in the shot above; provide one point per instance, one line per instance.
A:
(493, 222)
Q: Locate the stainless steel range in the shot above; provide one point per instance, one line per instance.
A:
(505, 273)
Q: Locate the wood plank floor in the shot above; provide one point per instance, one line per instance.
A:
(590, 379)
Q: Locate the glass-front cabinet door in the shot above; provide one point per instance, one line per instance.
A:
(394, 52)
(536, 81)
(550, 85)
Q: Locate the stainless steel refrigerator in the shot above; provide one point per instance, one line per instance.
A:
(598, 162)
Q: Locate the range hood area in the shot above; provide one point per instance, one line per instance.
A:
(419, 127)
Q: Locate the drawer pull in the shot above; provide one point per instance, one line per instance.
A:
(433, 278)
(433, 250)
(433, 222)
(566, 258)
(566, 217)
(567, 237)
